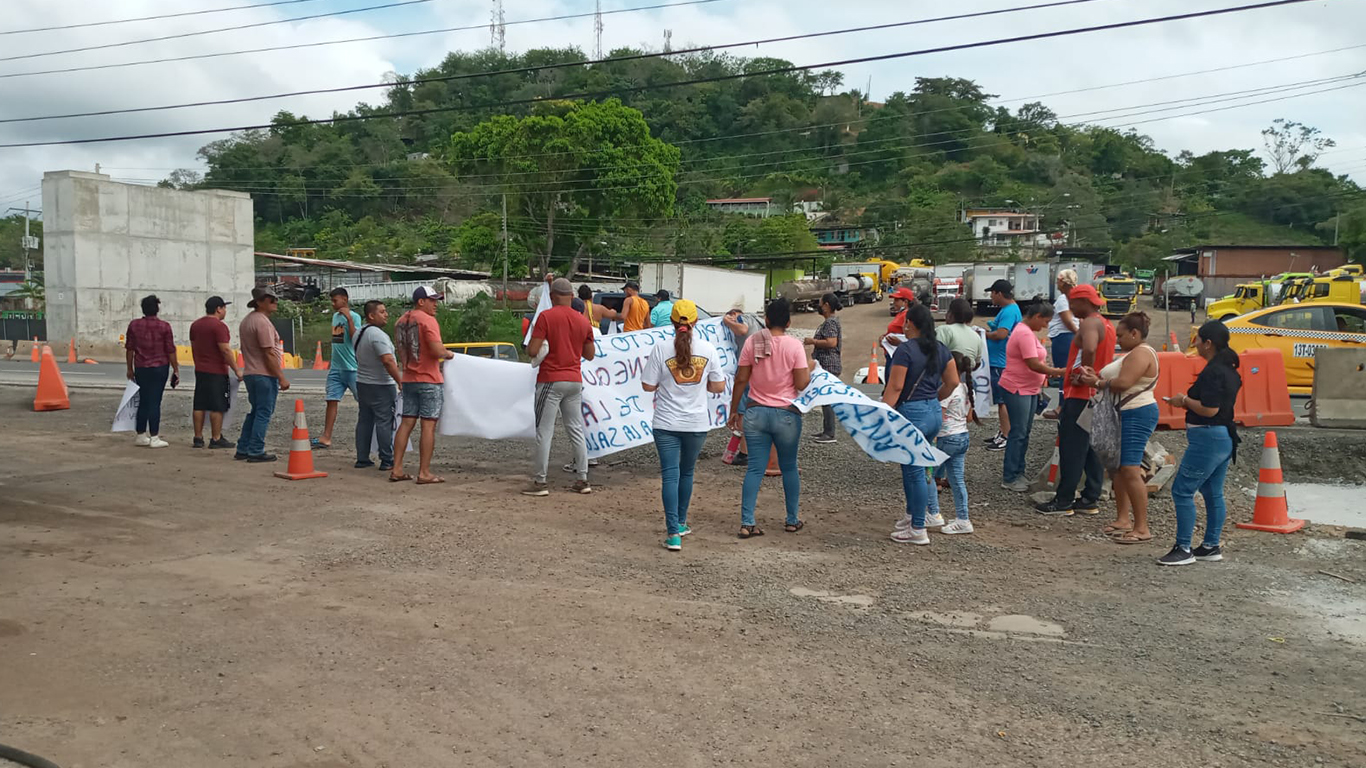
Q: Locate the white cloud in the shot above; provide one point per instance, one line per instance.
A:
(1013, 71)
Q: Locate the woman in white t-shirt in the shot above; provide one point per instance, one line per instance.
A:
(1061, 329)
(959, 408)
(681, 379)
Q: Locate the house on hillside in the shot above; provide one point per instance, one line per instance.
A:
(763, 207)
(1223, 267)
(998, 228)
(836, 237)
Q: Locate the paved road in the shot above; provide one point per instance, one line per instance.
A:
(112, 375)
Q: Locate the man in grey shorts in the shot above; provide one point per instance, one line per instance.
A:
(417, 340)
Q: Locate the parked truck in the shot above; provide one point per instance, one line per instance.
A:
(870, 269)
(1120, 293)
(714, 289)
(978, 280)
(1182, 292)
(1032, 280)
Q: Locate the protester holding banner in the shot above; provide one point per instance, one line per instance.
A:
(742, 325)
(958, 334)
(681, 376)
(1023, 379)
(151, 359)
(377, 377)
(213, 358)
(827, 345)
(659, 316)
(922, 373)
(775, 368)
(635, 310)
(559, 383)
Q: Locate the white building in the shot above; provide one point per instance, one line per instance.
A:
(1000, 228)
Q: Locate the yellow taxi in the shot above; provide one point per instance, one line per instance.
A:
(1296, 330)
(495, 350)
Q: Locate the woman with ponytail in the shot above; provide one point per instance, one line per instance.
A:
(681, 377)
(1212, 442)
(922, 373)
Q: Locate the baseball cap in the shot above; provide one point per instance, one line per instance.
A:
(684, 311)
(214, 303)
(426, 292)
(902, 292)
(1003, 287)
(631, 284)
(562, 286)
(663, 295)
(1087, 292)
(261, 293)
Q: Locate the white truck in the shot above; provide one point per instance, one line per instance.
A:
(1033, 281)
(978, 280)
(714, 289)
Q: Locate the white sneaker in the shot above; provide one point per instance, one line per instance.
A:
(911, 536)
(934, 521)
(142, 441)
(957, 526)
(1019, 486)
(903, 523)
(157, 442)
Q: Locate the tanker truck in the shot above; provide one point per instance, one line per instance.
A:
(805, 295)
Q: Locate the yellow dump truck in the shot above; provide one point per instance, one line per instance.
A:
(1121, 295)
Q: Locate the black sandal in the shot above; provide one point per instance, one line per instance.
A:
(794, 528)
(750, 531)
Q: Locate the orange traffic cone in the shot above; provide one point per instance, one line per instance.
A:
(772, 469)
(1176, 345)
(873, 376)
(300, 451)
(319, 364)
(240, 363)
(90, 361)
(71, 352)
(51, 394)
(1271, 514)
(37, 353)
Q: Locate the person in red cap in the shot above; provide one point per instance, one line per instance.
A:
(902, 299)
(1092, 349)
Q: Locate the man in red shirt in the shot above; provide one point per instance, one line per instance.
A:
(420, 354)
(559, 383)
(1093, 348)
(213, 358)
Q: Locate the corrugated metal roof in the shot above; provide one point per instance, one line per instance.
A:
(741, 200)
(356, 266)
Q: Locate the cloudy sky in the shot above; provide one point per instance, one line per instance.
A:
(1312, 32)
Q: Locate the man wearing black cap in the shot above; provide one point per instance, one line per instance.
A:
(998, 335)
(261, 373)
(659, 316)
(213, 358)
(635, 310)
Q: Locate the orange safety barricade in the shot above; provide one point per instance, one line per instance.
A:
(1264, 400)
(1176, 373)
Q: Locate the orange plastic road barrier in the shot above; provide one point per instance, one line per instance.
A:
(1176, 373)
(51, 395)
(1176, 345)
(37, 353)
(1271, 514)
(1264, 400)
(71, 352)
(319, 364)
(300, 451)
(240, 363)
(873, 376)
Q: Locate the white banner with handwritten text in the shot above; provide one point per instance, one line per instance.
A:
(878, 429)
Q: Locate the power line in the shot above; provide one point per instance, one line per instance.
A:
(152, 18)
(370, 38)
(200, 33)
(696, 81)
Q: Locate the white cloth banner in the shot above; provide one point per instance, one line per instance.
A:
(492, 399)
(981, 383)
(879, 430)
(542, 305)
(125, 416)
(398, 419)
(617, 413)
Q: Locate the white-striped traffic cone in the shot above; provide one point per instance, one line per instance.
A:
(300, 450)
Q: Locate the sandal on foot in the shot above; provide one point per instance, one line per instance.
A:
(1115, 530)
(750, 531)
(793, 528)
(1133, 538)
(399, 478)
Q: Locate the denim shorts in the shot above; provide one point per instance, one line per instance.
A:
(339, 382)
(998, 393)
(1136, 425)
(422, 400)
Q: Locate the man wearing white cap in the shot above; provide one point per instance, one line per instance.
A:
(559, 383)
(420, 354)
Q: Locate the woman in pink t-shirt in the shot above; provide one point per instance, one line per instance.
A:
(775, 367)
(1023, 379)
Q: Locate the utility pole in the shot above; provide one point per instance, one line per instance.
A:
(497, 26)
(505, 250)
(597, 31)
(668, 40)
(29, 243)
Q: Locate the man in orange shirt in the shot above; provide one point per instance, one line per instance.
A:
(635, 310)
(420, 354)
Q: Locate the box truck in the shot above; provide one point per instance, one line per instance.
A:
(1032, 280)
(978, 281)
(714, 289)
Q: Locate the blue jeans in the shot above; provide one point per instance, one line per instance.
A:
(151, 386)
(1208, 451)
(678, 453)
(1136, 426)
(927, 417)
(767, 428)
(956, 446)
(261, 393)
(1060, 345)
(1021, 409)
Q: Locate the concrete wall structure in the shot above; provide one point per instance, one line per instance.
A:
(110, 244)
(1339, 388)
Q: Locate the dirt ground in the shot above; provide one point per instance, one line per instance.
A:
(179, 608)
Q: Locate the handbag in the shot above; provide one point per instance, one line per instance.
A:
(1107, 430)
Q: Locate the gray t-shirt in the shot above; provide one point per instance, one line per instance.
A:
(372, 344)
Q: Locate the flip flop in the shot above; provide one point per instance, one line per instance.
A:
(318, 445)
(433, 481)
(1114, 530)
(1132, 538)
(399, 478)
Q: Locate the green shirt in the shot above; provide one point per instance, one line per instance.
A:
(961, 337)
